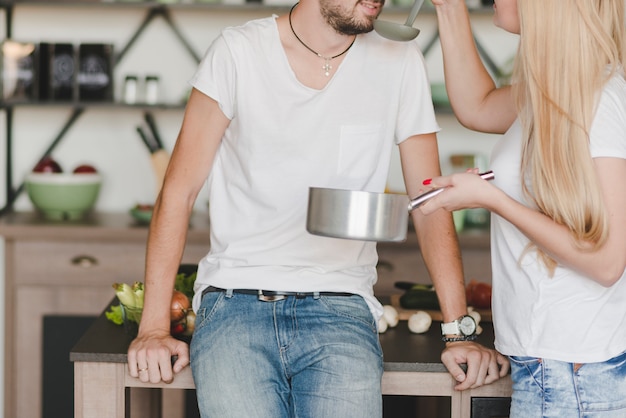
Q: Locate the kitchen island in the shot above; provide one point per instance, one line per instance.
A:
(412, 367)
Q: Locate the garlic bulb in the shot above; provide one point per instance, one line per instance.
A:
(420, 322)
(477, 318)
(382, 325)
(474, 315)
(391, 315)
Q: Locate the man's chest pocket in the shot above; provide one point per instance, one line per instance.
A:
(359, 150)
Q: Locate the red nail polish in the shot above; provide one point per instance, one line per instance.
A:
(427, 182)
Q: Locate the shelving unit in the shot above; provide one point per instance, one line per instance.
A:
(154, 10)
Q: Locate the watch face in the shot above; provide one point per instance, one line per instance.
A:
(467, 325)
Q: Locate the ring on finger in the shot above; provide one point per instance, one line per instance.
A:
(145, 369)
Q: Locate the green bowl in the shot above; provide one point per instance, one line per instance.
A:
(63, 196)
(142, 216)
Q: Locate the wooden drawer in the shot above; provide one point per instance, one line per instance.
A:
(84, 263)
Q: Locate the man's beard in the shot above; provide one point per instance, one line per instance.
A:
(343, 24)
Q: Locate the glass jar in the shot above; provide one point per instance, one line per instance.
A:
(152, 89)
(130, 89)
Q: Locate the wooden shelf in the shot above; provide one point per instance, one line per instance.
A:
(101, 105)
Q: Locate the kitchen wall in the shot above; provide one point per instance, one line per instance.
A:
(107, 138)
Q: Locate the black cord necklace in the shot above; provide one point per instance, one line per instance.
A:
(326, 67)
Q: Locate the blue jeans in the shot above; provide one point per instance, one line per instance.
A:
(544, 388)
(299, 357)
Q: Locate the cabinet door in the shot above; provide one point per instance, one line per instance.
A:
(32, 304)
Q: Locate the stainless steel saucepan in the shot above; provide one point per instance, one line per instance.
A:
(366, 216)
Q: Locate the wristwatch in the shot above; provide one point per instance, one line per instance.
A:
(463, 329)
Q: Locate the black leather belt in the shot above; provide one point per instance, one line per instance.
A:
(273, 296)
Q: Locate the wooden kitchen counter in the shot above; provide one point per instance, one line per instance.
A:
(116, 225)
(411, 362)
(103, 226)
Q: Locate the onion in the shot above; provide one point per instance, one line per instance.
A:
(179, 306)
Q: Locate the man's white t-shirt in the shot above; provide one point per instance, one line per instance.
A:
(284, 138)
(567, 317)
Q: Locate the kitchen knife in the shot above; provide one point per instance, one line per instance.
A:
(153, 128)
(144, 138)
(158, 157)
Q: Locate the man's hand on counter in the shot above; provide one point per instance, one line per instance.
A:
(481, 365)
(150, 358)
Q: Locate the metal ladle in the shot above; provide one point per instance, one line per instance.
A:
(398, 32)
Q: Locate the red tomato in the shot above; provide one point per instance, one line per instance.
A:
(478, 294)
(177, 328)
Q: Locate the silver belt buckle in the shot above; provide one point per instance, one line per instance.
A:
(270, 298)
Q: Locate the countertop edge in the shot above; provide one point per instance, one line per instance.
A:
(387, 366)
(100, 226)
(111, 226)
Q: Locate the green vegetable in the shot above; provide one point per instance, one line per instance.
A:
(184, 283)
(132, 314)
(138, 289)
(132, 297)
(420, 296)
(114, 314)
(125, 294)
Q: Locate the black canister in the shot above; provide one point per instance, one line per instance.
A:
(57, 71)
(95, 74)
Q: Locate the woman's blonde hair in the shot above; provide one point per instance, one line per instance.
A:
(568, 51)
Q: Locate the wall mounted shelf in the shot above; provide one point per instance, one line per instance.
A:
(153, 11)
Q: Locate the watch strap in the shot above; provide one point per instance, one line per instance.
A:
(451, 328)
(459, 338)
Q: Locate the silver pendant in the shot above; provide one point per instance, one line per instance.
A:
(327, 67)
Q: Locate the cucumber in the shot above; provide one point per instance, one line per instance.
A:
(420, 296)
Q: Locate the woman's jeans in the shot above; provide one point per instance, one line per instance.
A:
(315, 357)
(544, 388)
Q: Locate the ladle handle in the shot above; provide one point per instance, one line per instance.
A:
(421, 199)
(413, 13)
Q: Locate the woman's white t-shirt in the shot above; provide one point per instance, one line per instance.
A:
(567, 317)
(284, 138)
